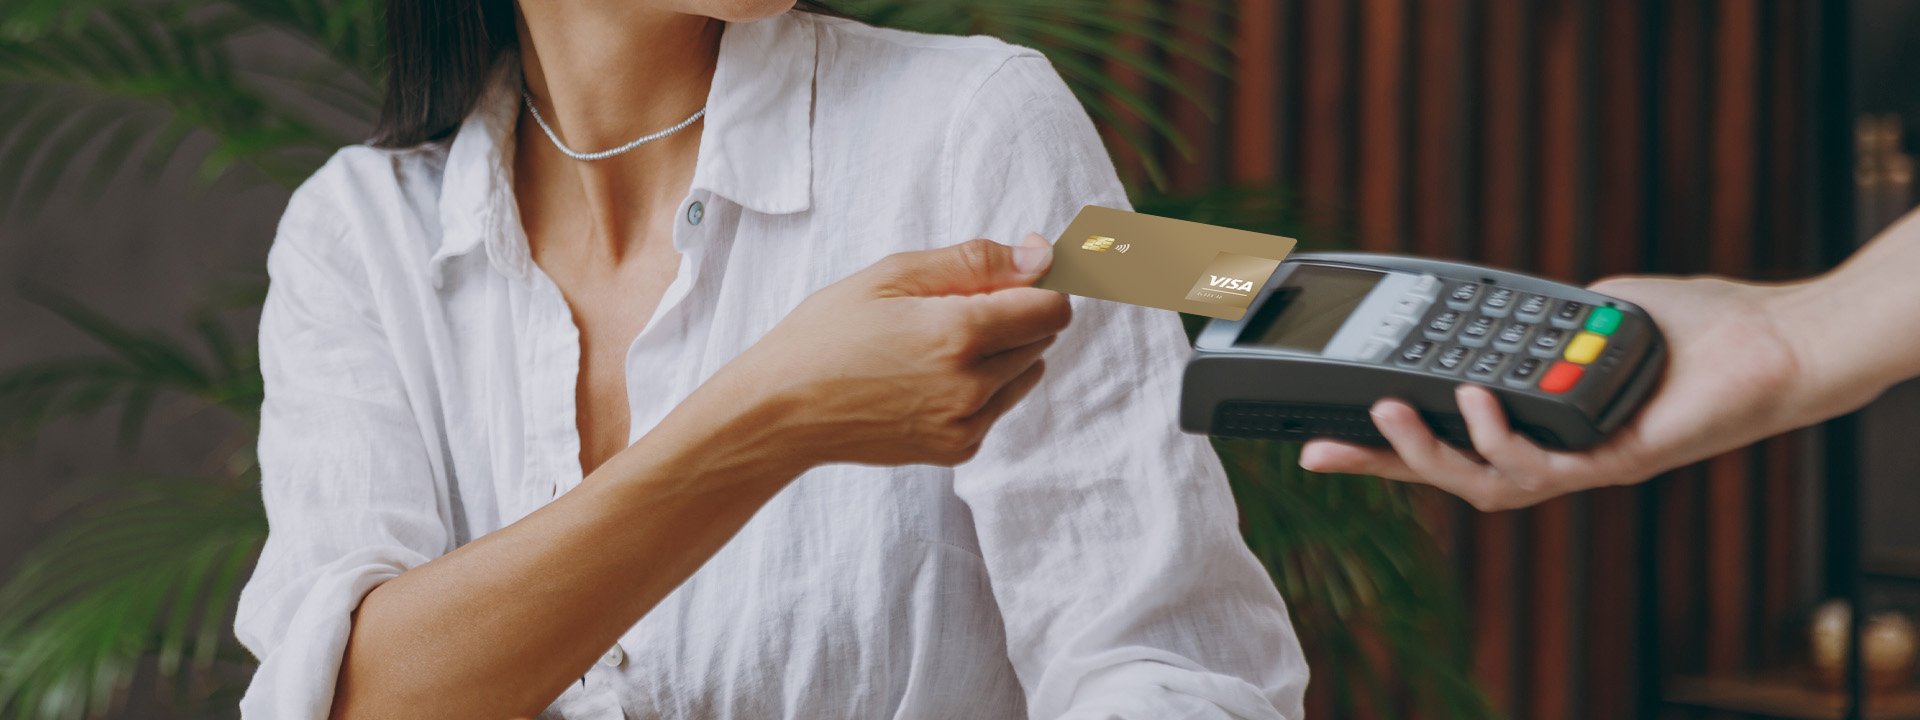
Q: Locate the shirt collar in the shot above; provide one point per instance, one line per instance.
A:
(756, 148)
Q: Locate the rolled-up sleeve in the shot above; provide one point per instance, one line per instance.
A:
(1110, 538)
(348, 484)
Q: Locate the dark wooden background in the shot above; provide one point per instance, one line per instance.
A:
(1575, 139)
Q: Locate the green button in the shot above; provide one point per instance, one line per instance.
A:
(1603, 320)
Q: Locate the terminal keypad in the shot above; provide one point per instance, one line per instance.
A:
(1490, 333)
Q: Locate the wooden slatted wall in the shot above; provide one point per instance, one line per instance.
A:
(1575, 139)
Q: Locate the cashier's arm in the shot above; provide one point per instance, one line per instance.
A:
(1747, 361)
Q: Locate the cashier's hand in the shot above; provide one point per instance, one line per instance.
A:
(1728, 382)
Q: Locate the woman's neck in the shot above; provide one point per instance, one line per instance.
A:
(602, 79)
(607, 80)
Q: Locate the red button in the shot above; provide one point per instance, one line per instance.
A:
(1561, 377)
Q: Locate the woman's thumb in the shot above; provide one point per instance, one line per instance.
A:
(1033, 256)
(971, 267)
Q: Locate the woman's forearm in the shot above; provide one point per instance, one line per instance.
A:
(501, 626)
(1856, 330)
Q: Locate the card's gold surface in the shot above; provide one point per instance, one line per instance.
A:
(1165, 263)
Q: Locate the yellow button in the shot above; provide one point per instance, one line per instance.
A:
(1585, 347)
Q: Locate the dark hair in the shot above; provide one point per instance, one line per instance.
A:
(440, 54)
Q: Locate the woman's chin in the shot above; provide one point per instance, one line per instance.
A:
(738, 10)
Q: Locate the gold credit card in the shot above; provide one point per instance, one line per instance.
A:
(1165, 263)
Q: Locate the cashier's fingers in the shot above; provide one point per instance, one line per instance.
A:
(1438, 463)
(1332, 456)
(1514, 454)
(1509, 472)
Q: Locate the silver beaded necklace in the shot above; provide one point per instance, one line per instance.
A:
(603, 154)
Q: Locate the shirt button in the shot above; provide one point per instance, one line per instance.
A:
(614, 657)
(696, 212)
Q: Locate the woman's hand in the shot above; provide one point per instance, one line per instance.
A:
(1732, 377)
(908, 361)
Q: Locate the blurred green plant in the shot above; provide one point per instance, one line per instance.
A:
(132, 82)
(144, 571)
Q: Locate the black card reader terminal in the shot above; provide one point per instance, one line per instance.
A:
(1332, 333)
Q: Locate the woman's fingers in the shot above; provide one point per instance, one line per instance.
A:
(1013, 317)
(1009, 395)
(974, 266)
(1000, 368)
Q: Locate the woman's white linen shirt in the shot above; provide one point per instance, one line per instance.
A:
(420, 373)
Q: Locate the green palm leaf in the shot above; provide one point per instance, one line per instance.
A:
(348, 31)
(119, 76)
(136, 368)
(153, 566)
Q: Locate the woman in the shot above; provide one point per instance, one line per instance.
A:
(591, 434)
(1745, 361)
